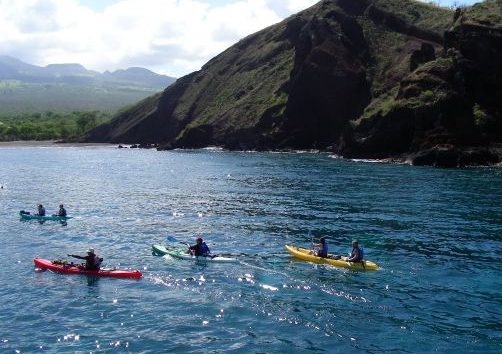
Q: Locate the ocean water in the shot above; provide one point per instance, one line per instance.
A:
(436, 234)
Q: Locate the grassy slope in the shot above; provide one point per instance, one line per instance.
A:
(232, 72)
(391, 51)
(17, 97)
(421, 14)
(235, 88)
(486, 13)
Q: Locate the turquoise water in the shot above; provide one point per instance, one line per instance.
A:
(437, 235)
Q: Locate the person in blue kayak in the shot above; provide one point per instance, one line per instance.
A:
(357, 253)
(321, 248)
(200, 249)
(61, 211)
(40, 210)
(92, 261)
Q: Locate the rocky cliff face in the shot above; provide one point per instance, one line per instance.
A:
(448, 111)
(365, 78)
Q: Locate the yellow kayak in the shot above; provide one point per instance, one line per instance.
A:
(304, 254)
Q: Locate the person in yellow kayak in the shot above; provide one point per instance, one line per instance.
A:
(321, 248)
(357, 253)
(92, 261)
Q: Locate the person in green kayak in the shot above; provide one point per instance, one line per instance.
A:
(200, 249)
(40, 210)
(92, 261)
(357, 253)
(61, 211)
(320, 249)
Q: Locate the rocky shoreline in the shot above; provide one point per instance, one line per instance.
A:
(442, 156)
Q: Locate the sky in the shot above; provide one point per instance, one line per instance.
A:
(172, 37)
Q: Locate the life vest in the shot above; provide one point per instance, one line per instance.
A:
(62, 212)
(41, 211)
(93, 263)
(361, 254)
(203, 250)
(323, 252)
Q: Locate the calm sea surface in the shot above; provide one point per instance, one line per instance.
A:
(437, 235)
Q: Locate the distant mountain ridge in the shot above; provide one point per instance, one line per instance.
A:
(30, 88)
(15, 69)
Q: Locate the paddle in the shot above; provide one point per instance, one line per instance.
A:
(171, 238)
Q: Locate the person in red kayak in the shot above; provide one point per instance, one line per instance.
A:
(200, 249)
(92, 261)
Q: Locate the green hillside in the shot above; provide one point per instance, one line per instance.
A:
(26, 88)
(18, 97)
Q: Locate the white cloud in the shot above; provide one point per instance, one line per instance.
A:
(170, 36)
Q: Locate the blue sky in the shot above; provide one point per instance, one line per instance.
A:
(173, 37)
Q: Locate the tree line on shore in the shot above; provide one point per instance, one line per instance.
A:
(49, 125)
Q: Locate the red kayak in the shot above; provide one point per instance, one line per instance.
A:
(70, 268)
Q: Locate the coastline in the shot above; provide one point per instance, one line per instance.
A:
(400, 160)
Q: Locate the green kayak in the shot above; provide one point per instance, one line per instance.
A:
(181, 253)
(25, 216)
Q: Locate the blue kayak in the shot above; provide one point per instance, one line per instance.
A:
(25, 216)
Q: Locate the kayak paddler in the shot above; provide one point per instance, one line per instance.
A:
(200, 249)
(40, 210)
(92, 261)
(321, 248)
(61, 211)
(357, 253)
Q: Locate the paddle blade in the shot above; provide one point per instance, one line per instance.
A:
(171, 238)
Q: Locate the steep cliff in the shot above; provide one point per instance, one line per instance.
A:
(373, 78)
(448, 111)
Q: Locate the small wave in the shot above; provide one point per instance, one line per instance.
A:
(214, 148)
(269, 287)
(370, 160)
(289, 152)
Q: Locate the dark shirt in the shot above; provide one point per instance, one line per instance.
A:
(323, 252)
(62, 212)
(356, 255)
(92, 262)
(199, 250)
